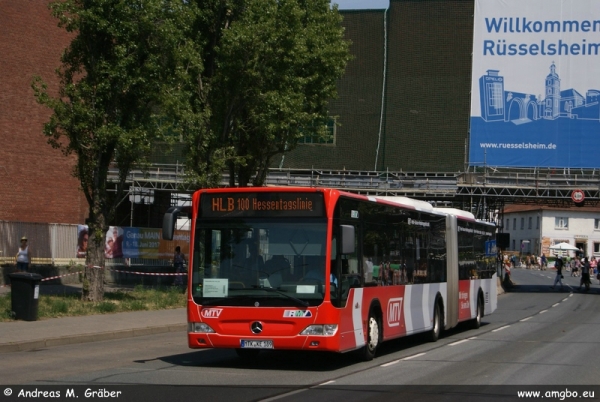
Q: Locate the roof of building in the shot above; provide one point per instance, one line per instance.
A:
(515, 208)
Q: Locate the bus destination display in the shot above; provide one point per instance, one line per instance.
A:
(262, 204)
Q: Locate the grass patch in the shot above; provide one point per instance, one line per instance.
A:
(70, 304)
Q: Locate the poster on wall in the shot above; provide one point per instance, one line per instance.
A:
(535, 92)
(132, 242)
(82, 240)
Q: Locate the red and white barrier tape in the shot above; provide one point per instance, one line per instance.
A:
(59, 276)
(143, 273)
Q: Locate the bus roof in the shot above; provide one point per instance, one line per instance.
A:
(459, 213)
(408, 202)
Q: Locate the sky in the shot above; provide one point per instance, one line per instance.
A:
(361, 4)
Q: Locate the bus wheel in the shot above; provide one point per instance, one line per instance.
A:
(434, 334)
(247, 354)
(476, 322)
(368, 351)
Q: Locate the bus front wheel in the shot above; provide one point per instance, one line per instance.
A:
(368, 351)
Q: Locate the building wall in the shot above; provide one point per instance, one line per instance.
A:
(581, 231)
(36, 184)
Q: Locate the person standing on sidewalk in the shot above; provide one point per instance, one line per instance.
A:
(559, 266)
(23, 256)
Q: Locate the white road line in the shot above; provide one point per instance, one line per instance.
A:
(525, 319)
(458, 342)
(471, 338)
(555, 304)
(284, 395)
(501, 328)
(413, 356)
(565, 299)
(543, 311)
(326, 382)
(390, 363)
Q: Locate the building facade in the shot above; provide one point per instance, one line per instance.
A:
(533, 229)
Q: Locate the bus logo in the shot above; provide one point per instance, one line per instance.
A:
(394, 311)
(211, 312)
(297, 313)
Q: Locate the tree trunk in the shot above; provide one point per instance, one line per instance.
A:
(93, 277)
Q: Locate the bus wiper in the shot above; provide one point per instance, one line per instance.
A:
(279, 292)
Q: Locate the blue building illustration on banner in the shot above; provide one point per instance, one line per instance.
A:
(556, 128)
(498, 104)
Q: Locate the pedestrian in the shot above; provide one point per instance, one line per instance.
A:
(558, 279)
(179, 264)
(23, 256)
(543, 262)
(585, 273)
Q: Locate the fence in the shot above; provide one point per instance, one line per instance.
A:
(52, 244)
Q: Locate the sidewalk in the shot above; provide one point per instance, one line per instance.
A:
(29, 335)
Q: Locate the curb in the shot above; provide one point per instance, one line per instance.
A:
(86, 338)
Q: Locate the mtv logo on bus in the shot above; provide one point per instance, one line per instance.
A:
(394, 311)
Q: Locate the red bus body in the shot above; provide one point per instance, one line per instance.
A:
(412, 268)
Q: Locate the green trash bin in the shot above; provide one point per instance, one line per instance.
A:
(24, 295)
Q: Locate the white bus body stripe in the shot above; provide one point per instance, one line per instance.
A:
(425, 306)
(407, 313)
(357, 302)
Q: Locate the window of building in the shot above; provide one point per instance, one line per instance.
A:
(328, 138)
(561, 222)
(596, 248)
(515, 224)
(507, 224)
(530, 225)
(596, 224)
(537, 224)
(522, 223)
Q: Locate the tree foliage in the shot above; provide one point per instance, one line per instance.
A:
(115, 76)
(270, 68)
(239, 80)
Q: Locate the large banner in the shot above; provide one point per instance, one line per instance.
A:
(130, 242)
(536, 84)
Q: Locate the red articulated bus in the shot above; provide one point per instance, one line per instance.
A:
(326, 270)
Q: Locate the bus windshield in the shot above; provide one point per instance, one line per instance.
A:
(259, 262)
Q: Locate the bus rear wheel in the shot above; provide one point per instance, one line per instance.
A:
(368, 351)
(434, 333)
(476, 322)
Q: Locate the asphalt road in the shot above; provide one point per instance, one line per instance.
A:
(538, 336)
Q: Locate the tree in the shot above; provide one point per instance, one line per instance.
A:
(117, 77)
(271, 67)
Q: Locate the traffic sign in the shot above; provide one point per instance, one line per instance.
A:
(577, 196)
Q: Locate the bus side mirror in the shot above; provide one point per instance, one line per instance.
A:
(170, 219)
(347, 239)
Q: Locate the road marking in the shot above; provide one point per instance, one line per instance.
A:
(413, 356)
(458, 342)
(565, 299)
(471, 338)
(284, 395)
(390, 363)
(326, 382)
(501, 328)
(525, 319)
(543, 311)
(555, 304)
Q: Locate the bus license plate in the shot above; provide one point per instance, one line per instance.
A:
(256, 344)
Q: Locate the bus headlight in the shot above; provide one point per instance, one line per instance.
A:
(323, 330)
(199, 327)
